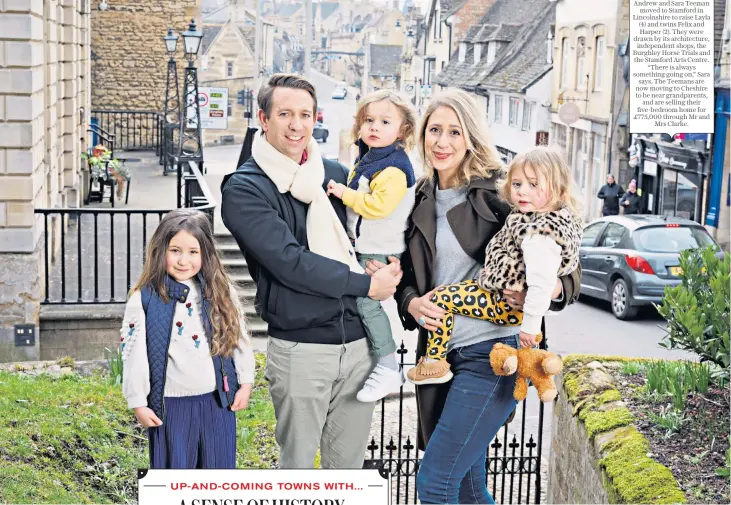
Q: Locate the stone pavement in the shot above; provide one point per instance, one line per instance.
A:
(108, 278)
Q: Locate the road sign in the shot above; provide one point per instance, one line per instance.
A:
(569, 113)
(214, 108)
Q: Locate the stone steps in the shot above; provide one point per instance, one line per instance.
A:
(235, 264)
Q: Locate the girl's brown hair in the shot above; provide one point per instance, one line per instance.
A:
(226, 312)
(551, 164)
(408, 114)
(481, 159)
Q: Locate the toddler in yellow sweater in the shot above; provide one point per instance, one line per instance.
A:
(379, 197)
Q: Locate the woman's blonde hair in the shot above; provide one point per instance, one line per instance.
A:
(481, 160)
(550, 163)
(226, 312)
(408, 114)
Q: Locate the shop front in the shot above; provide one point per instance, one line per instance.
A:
(671, 179)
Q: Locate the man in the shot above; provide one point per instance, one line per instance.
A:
(610, 193)
(631, 201)
(318, 358)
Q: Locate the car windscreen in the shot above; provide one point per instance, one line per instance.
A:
(671, 239)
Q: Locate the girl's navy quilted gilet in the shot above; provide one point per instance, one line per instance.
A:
(159, 323)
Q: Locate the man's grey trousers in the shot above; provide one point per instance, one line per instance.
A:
(313, 388)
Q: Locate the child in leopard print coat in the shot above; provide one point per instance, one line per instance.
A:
(538, 243)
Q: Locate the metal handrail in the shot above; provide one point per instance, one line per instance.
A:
(101, 131)
(83, 259)
(133, 129)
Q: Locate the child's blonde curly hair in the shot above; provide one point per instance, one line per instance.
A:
(551, 164)
(408, 114)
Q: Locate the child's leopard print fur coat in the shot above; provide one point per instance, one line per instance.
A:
(504, 264)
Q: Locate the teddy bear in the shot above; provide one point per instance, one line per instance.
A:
(538, 365)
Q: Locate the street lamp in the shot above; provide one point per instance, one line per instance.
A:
(191, 145)
(103, 5)
(171, 113)
(171, 41)
(192, 41)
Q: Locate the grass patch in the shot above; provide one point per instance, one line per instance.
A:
(256, 447)
(72, 439)
(67, 439)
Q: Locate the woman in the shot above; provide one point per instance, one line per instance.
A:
(457, 212)
(631, 201)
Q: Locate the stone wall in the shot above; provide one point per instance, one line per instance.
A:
(573, 469)
(44, 107)
(129, 59)
(75, 331)
(597, 454)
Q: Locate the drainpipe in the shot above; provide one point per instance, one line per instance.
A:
(449, 22)
(424, 56)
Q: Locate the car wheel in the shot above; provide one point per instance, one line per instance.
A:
(324, 139)
(622, 300)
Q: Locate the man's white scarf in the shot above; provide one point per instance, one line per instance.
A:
(325, 233)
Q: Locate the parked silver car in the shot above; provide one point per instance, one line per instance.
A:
(629, 260)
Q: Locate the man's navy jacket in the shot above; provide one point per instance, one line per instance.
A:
(304, 297)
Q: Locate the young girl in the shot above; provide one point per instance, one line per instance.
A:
(188, 362)
(379, 197)
(539, 242)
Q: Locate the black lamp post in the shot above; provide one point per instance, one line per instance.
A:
(171, 114)
(191, 144)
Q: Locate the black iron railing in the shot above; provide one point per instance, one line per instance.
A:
(512, 463)
(94, 254)
(133, 130)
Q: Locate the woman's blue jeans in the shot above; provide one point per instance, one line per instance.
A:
(478, 403)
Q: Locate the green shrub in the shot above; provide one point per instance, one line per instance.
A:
(697, 310)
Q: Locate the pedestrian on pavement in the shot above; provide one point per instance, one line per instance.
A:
(456, 213)
(610, 193)
(308, 278)
(378, 197)
(539, 242)
(631, 201)
(187, 358)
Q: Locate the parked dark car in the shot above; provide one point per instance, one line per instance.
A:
(629, 260)
(320, 132)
